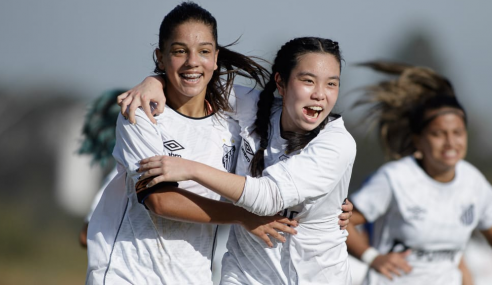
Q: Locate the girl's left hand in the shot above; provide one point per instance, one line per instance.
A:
(165, 168)
(344, 217)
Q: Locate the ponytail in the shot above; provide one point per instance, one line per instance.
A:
(230, 64)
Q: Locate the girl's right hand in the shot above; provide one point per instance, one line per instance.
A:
(149, 90)
(265, 227)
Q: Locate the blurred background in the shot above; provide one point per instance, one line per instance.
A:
(57, 56)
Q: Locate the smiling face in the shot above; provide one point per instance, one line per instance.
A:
(310, 93)
(189, 58)
(443, 143)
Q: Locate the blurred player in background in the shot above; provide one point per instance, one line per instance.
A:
(99, 139)
(426, 203)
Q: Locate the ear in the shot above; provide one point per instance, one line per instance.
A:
(216, 57)
(280, 84)
(158, 56)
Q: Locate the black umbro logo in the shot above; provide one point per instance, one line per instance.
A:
(283, 157)
(247, 148)
(173, 145)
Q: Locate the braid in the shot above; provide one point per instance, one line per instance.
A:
(262, 123)
(285, 61)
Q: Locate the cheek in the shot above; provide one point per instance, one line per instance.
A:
(209, 62)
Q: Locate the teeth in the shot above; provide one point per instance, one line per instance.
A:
(191, 76)
(315, 108)
(450, 153)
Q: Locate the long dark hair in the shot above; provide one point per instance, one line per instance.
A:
(229, 63)
(286, 60)
(399, 106)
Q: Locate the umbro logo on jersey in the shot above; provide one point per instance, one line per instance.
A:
(247, 151)
(172, 145)
(416, 213)
(467, 215)
(228, 158)
(283, 157)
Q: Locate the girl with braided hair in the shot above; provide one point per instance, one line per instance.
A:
(147, 238)
(426, 203)
(296, 158)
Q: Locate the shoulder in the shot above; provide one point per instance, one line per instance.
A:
(403, 169)
(243, 98)
(336, 134)
(469, 172)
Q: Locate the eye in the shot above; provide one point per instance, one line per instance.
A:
(178, 51)
(307, 80)
(333, 84)
(205, 51)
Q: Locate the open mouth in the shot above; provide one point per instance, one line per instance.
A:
(312, 111)
(191, 77)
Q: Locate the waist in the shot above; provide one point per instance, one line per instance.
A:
(432, 256)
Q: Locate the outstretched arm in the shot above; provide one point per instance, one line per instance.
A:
(226, 184)
(181, 205)
(167, 168)
(147, 91)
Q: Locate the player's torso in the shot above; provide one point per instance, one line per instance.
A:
(213, 140)
(434, 220)
(168, 251)
(429, 215)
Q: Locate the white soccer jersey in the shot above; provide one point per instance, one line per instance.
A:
(146, 248)
(99, 193)
(313, 183)
(435, 220)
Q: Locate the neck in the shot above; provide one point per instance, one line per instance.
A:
(195, 107)
(286, 126)
(441, 175)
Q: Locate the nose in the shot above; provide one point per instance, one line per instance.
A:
(450, 139)
(192, 59)
(318, 93)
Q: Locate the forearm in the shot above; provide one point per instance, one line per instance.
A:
(181, 205)
(357, 243)
(465, 273)
(228, 185)
(259, 196)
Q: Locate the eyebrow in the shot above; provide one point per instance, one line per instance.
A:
(305, 73)
(183, 44)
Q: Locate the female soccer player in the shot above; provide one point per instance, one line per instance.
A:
(302, 157)
(127, 244)
(425, 204)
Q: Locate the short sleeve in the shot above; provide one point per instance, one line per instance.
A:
(373, 199)
(136, 142)
(485, 220)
